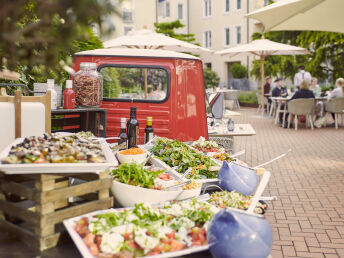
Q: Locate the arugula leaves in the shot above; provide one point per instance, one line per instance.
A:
(135, 174)
(175, 153)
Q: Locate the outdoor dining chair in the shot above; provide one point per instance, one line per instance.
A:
(301, 107)
(266, 103)
(335, 106)
(232, 96)
(24, 116)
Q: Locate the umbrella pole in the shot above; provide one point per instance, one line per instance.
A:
(146, 95)
(262, 59)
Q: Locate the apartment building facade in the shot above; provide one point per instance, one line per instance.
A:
(217, 24)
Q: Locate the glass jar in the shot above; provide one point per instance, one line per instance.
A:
(88, 86)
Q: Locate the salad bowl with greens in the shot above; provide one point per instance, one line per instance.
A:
(133, 183)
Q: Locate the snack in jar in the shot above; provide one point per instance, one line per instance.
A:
(88, 85)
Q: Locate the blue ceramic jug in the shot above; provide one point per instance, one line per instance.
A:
(237, 234)
(234, 177)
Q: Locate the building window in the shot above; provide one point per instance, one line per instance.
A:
(208, 65)
(238, 34)
(207, 8)
(127, 16)
(180, 11)
(227, 6)
(266, 2)
(207, 39)
(238, 4)
(227, 37)
(127, 29)
(168, 13)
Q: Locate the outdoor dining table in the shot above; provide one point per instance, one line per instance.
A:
(284, 100)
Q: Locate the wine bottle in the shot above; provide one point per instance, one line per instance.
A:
(123, 133)
(133, 129)
(148, 130)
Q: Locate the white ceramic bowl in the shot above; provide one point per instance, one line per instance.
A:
(129, 195)
(138, 158)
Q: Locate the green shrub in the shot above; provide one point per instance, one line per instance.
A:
(238, 71)
(248, 97)
(325, 88)
(211, 79)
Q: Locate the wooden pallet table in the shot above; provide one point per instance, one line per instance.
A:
(32, 206)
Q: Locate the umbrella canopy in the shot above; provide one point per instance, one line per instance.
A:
(318, 15)
(149, 39)
(263, 48)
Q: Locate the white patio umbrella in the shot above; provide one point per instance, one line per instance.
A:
(263, 48)
(149, 39)
(318, 15)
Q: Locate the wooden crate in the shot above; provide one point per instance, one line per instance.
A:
(33, 206)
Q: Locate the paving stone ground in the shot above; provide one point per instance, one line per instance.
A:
(308, 218)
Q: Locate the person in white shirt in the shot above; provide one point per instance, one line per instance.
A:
(302, 75)
(338, 91)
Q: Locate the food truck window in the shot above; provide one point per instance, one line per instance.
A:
(138, 84)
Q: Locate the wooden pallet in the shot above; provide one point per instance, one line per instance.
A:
(33, 206)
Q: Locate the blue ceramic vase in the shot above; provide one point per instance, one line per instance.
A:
(236, 234)
(234, 177)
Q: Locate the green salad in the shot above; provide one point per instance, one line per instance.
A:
(135, 174)
(177, 154)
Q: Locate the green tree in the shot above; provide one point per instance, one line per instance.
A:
(324, 62)
(111, 82)
(327, 53)
(38, 33)
(168, 29)
(40, 73)
(211, 79)
(238, 70)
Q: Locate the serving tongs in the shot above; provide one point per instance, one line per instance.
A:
(177, 185)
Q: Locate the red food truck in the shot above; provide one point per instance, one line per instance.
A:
(165, 85)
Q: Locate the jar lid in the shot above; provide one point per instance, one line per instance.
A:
(88, 65)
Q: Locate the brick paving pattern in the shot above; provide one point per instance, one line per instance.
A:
(308, 218)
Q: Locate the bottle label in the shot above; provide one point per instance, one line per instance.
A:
(150, 137)
(137, 135)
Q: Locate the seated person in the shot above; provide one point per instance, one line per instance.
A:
(338, 92)
(315, 87)
(279, 90)
(267, 85)
(303, 93)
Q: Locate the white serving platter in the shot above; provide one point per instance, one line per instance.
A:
(70, 223)
(53, 168)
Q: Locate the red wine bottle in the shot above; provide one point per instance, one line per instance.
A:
(123, 133)
(133, 129)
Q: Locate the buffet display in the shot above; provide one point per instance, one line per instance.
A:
(157, 186)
